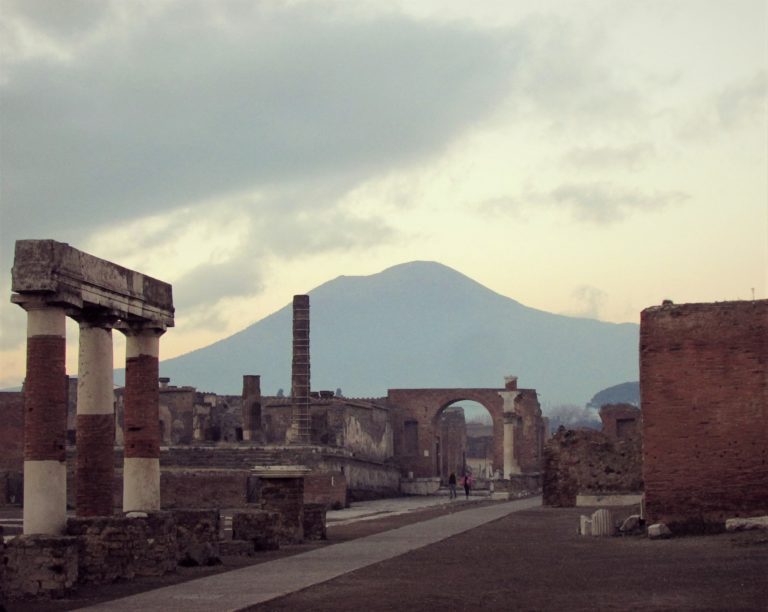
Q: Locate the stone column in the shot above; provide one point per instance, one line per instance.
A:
(511, 422)
(95, 418)
(45, 419)
(141, 467)
(251, 407)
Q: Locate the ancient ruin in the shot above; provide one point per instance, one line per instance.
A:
(704, 386)
(51, 281)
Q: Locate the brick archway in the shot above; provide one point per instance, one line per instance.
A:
(416, 413)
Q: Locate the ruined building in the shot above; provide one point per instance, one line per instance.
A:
(704, 388)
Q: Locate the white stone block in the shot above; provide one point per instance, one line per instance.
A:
(658, 531)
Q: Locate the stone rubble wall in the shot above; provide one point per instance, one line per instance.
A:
(38, 566)
(589, 462)
(197, 536)
(314, 522)
(258, 527)
(112, 547)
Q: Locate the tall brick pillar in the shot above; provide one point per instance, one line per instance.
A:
(45, 419)
(300, 379)
(251, 407)
(95, 418)
(141, 467)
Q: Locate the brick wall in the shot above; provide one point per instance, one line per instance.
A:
(620, 420)
(326, 488)
(704, 391)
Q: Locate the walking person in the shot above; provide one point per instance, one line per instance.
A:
(467, 484)
(452, 485)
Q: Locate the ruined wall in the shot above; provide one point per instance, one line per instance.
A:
(620, 420)
(530, 438)
(704, 392)
(588, 462)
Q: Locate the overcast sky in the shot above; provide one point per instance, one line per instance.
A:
(589, 158)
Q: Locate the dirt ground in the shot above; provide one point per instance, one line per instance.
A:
(530, 560)
(535, 560)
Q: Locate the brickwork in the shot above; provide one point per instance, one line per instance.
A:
(285, 497)
(588, 462)
(95, 472)
(45, 399)
(704, 390)
(203, 488)
(453, 444)
(326, 488)
(620, 420)
(141, 423)
(11, 432)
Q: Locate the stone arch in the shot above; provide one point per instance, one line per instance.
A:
(420, 410)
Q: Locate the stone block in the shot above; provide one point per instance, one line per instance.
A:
(659, 531)
(602, 523)
(746, 524)
(314, 522)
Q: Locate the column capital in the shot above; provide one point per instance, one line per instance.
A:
(90, 318)
(146, 328)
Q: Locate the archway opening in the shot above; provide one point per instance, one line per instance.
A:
(464, 441)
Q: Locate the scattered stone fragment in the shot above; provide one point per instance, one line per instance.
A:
(745, 524)
(659, 531)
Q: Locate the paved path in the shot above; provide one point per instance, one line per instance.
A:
(251, 585)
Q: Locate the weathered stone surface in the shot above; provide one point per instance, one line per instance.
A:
(111, 548)
(38, 566)
(589, 462)
(197, 536)
(314, 522)
(658, 531)
(746, 524)
(602, 523)
(257, 527)
(631, 524)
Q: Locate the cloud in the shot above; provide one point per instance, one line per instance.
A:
(744, 102)
(185, 105)
(607, 203)
(591, 299)
(631, 156)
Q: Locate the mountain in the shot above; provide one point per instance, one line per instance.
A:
(420, 324)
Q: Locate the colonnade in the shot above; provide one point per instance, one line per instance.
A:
(53, 281)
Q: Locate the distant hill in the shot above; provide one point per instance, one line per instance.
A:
(420, 324)
(624, 393)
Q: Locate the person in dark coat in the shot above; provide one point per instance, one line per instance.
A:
(467, 484)
(452, 485)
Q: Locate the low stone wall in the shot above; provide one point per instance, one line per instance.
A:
(517, 485)
(257, 527)
(314, 522)
(38, 566)
(588, 462)
(197, 536)
(419, 486)
(111, 548)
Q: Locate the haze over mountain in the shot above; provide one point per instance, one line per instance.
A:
(420, 324)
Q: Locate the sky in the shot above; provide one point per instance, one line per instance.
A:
(583, 157)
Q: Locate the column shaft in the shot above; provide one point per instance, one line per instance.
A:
(141, 467)
(95, 421)
(45, 421)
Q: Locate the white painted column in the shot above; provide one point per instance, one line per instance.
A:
(95, 419)
(511, 420)
(141, 467)
(45, 424)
